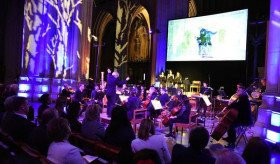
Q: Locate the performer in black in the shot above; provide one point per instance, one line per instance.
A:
(97, 96)
(244, 117)
(205, 90)
(112, 82)
(186, 82)
(142, 93)
(178, 78)
(65, 91)
(175, 100)
(132, 103)
(182, 117)
(163, 98)
(80, 94)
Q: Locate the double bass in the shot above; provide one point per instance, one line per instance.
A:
(228, 118)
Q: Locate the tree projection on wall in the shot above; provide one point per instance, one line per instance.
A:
(51, 32)
(124, 11)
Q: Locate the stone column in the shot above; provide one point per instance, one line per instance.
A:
(268, 124)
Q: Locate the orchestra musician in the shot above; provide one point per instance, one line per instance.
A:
(244, 117)
(162, 78)
(152, 96)
(142, 93)
(205, 90)
(175, 101)
(132, 103)
(163, 98)
(80, 94)
(125, 90)
(97, 96)
(65, 91)
(178, 78)
(112, 82)
(263, 87)
(182, 117)
(170, 78)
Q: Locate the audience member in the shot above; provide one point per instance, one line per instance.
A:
(195, 153)
(146, 156)
(38, 139)
(73, 115)
(15, 122)
(60, 150)
(215, 149)
(148, 140)
(91, 127)
(46, 100)
(229, 157)
(256, 152)
(60, 105)
(120, 133)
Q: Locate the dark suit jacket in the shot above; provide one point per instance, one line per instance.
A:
(244, 111)
(78, 97)
(181, 154)
(164, 99)
(41, 109)
(17, 126)
(132, 104)
(39, 140)
(112, 82)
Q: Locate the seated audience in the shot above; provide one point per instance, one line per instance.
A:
(15, 122)
(91, 127)
(120, 133)
(256, 152)
(46, 100)
(195, 153)
(148, 140)
(60, 104)
(215, 149)
(73, 115)
(229, 157)
(146, 156)
(132, 103)
(60, 150)
(38, 139)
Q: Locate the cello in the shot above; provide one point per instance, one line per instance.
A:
(174, 111)
(228, 118)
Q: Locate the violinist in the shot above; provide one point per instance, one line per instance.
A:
(175, 101)
(66, 92)
(125, 90)
(142, 93)
(132, 103)
(182, 117)
(244, 117)
(97, 96)
(163, 98)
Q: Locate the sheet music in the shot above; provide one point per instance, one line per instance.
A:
(156, 104)
(123, 98)
(206, 100)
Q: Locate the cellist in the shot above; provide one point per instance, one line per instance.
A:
(244, 117)
(182, 117)
(152, 96)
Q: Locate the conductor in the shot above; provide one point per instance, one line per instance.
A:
(112, 82)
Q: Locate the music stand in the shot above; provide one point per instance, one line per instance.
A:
(157, 106)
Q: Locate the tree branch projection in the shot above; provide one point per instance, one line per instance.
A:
(125, 7)
(65, 10)
(49, 28)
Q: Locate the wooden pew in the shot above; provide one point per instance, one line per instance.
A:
(95, 148)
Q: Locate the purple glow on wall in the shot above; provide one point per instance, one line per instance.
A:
(273, 57)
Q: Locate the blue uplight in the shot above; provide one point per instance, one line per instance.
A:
(275, 119)
(272, 136)
(45, 88)
(24, 87)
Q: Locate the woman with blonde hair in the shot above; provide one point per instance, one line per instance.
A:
(148, 140)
